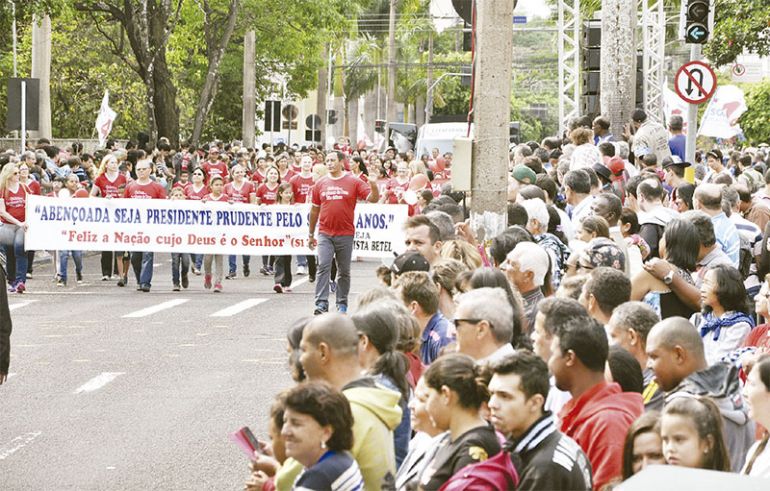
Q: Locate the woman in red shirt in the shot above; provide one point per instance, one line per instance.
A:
(216, 186)
(111, 183)
(34, 188)
(267, 194)
(239, 190)
(13, 202)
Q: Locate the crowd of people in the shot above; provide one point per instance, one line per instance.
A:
(617, 323)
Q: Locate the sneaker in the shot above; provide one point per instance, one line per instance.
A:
(218, 288)
(207, 282)
(106, 278)
(185, 281)
(29, 276)
(342, 308)
(79, 278)
(301, 270)
(311, 278)
(11, 288)
(270, 270)
(246, 270)
(196, 271)
(145, 288)
(176, 287)
(21, 287)
(320, 309)
(287, 289)
(122, 281)
(230, 275)
(333, 286)
(277, 288)
(61, 282)
(263, 270)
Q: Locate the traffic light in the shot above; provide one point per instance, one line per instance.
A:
(379, 126)
(331, 116)
(696, 23)
(514, 132)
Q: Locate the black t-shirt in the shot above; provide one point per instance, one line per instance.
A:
(475, 445)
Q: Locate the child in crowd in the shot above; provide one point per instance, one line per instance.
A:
(216, 187)
(691, 431)
(179, 260)
(285, 196)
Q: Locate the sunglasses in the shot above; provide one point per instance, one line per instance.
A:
(457, 322)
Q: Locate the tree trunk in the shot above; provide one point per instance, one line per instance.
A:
(165, 109)
(618, 62)
(322, 97)
(41, 69)
(215, 50)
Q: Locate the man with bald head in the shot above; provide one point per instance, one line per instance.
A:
(708, 199)
(676, 355)
(330, 353)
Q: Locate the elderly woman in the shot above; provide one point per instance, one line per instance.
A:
(537, 225)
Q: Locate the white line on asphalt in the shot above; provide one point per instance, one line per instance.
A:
(98, 382)
(11, 374)
(17, 444)
(239, 307)
(157, 308)
(300, 281)
(19, 305)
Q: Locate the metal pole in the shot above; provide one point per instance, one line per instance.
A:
(23, 116)
(692, 114)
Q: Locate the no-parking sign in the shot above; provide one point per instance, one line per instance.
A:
(695, 82)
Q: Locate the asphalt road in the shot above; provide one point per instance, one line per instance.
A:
(111, 388)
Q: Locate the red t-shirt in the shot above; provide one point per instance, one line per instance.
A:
(182, 186)
(240, 195)
(33, 186)
(364, 177)
(301, 187)
(194, 195)
(258, 177)
(222, 197)
(111, 189)
(287, 177)
(337, 199)
(266, 195)
(16, 203)
(396, 190)
(151, 190)
(213, 169)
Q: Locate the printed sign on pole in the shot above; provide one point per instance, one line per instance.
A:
(695, 82)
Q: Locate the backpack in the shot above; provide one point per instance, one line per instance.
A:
(496, 473)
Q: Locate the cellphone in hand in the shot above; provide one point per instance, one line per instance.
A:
(246, 441)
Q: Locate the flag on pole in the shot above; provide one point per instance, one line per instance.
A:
(673, 105)
(105, 119)
(723, 112)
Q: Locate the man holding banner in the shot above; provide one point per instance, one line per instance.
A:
(334, 199)
(144, 188)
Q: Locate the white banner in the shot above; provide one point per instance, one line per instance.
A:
(721, 117)
(100, 224)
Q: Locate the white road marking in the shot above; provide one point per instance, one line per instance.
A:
(11, 374)
(298, 282)
(157, 308)
(98, 382)
(19, 305)
(239, 307)
(17, 444)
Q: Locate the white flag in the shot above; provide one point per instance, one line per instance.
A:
(721, 117)
(673, 105)
(105, 119)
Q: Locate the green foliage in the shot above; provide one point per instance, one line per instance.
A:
(739, 26)
(755, 122)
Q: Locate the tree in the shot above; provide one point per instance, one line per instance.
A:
(754, 122)
(740, 26)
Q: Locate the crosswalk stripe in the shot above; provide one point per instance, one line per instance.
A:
(98, 382)
(156, 308)
(298, 282)
(19, 305)
(238, 307)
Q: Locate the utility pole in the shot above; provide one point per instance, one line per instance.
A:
(692, 114)
(249, 89)
(491, 114)
(391, 97)
(429, 76)
(41, 68)
(322, 96)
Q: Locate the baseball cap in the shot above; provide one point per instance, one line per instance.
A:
(616, 166)
(524, 174)
(602, 170)
(670, 162)
(410, 261)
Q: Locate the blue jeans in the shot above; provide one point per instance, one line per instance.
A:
(12, 236)
(330, 248)
(233, 262)
(302, 261)
(77, 258)
(179, 260)
(142, 264)
(198, 261)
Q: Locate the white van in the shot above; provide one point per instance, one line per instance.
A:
(439, 135)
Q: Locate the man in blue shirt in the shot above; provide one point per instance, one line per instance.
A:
(678, 140)
(708, 198)
(420, 295)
